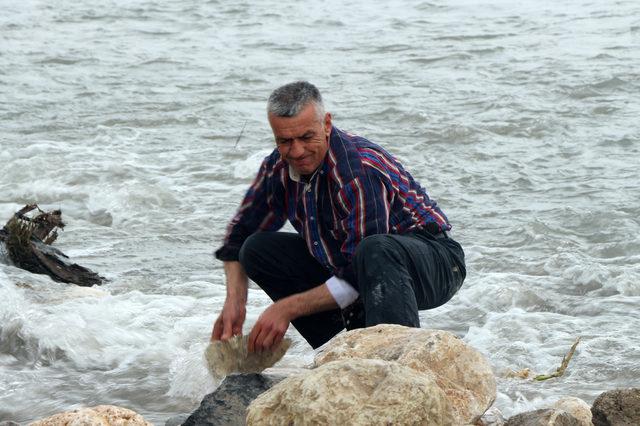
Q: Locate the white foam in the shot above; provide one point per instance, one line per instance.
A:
(248, 168)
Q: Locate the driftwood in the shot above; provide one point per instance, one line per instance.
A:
(526, 373)
(563, 366)
(28, 244)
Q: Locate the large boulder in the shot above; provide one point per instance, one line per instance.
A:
(620, 407)
(543, 417)
(462, 372)
(354, 392)
(102, 415)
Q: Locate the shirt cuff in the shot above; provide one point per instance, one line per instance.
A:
(343, 293)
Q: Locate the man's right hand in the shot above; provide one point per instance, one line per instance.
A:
(230, 320)
(234, 311)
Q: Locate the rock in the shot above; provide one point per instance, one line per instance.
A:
(543, 417)
(353, 392)
(107, 415)
(491, 417)
(228, 403)
(232, 356)
(9, 423)
(620, 407)
(462, 372)
(576, 407)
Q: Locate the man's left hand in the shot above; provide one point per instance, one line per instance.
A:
(269, 330)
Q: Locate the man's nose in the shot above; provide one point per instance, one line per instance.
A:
(297, 149)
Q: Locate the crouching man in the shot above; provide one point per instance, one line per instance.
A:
(371, 247)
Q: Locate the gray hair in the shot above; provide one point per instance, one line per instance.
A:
(290, 99)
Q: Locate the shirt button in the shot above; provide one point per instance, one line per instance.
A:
(315, 243)
(311, 218)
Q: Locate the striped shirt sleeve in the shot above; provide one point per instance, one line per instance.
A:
(261, 209)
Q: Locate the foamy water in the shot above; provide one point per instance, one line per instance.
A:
(521, 120)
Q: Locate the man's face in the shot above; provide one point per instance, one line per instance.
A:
(302, 140)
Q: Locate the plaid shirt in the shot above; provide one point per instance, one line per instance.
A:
(359, 190)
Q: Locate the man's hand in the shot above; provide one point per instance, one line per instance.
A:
(230, 320)
(269, 330)
(274, 321)
(234, 311)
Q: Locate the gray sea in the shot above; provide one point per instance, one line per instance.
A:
(144, 121)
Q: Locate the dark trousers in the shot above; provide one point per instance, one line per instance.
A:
(397, 275)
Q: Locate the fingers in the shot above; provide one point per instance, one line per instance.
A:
(264, 339)
(270, 341)
(255, 331)
(216, 333)
(227, 332)
(237, 329)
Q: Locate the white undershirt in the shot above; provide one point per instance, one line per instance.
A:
(343, 293)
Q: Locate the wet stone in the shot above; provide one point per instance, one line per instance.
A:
(620, 407)
(543, 417)
(228, 403)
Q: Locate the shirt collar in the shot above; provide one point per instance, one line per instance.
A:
(295, 176)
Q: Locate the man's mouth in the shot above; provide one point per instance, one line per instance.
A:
(301, 161)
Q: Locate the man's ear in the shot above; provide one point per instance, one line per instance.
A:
(327, 123)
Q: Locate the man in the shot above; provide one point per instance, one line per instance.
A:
(370, 247)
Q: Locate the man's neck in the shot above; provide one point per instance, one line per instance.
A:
(306, 178)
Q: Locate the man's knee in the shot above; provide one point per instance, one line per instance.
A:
(376, 248)
(251, 251)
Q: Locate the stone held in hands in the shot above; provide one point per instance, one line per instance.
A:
(232, 356)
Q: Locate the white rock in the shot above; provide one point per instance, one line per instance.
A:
(577, 408)
(353, 392)
(461, 371)
(102, 415)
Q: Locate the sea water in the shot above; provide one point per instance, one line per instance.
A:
(145, 122)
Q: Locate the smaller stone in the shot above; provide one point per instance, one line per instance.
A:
(543, 417)
(232, 356)
(576, 407)
(102, 415)
(491, 417)
(620, 407)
